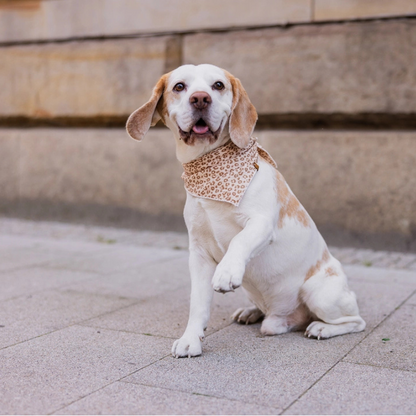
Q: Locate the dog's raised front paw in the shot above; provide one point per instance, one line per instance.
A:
(228, 276)
(187, 346)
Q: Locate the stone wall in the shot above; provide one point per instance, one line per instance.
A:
(335, 89)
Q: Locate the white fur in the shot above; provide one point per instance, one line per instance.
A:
(243, 246)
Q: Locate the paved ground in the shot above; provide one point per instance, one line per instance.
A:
(88, 316)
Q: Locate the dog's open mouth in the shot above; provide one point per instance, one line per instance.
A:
(200, 127)
(199, 131)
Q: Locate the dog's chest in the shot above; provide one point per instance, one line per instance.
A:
(212, 224)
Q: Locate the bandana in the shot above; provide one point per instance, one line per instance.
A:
(225, 173)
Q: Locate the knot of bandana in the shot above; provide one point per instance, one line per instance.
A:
(225, 173)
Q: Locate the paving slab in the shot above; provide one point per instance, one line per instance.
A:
(381, 275)
(119, 258)
(376, 301)
(392, 344)
(127, 398)
(167, 271)
(359, 389)
(28, 281)
(75, 334)
(19, 252)
(167, 314)
(237, 363)
(47, 373)
(91, 233)
(30, 316)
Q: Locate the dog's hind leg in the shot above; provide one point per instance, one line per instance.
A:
(327, 296)
(248, 315)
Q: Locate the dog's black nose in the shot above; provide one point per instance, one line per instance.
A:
(200, 100)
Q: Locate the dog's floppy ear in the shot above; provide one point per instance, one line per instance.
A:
(243, 114)
(140, 121)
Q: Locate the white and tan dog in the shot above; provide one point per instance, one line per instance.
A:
(267, 243)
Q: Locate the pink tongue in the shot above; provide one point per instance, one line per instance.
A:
(200, 129)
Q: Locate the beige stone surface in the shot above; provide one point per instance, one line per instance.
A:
(53, 363)
(81, 79)
(362, 181)
(102, 166)
(36, 19)
(347, 68)
(132, 399)
(9, 156)
(359, 9)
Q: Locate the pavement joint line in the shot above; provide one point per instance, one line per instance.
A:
(348, 352)
(378, 366)
(57, 288)
(27, 266)
(109, 384)
(79, 323)
(147, 334)
(196, 393)
(74, 269)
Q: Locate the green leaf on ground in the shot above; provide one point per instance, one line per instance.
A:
(101, 239)
(386, 339)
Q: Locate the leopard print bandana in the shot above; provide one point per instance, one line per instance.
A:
(225, 173)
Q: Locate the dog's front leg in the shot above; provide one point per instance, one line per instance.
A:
(248, 243)
(202, 268)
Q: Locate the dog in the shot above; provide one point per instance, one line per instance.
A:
(246, 227)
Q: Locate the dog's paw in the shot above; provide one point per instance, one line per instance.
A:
(187, 346)
(247, 316)
(319, 330)
(274, 325)
(228, 276)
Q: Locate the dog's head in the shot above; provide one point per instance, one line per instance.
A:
(200, 104)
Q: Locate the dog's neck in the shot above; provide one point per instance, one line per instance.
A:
(186, 153)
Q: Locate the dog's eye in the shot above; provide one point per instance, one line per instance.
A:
(180, 86)
(218, 86)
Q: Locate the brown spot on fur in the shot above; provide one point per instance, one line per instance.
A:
(329, 271)
(289, 205)
(315, 268)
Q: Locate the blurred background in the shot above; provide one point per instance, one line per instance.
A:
(334, 83)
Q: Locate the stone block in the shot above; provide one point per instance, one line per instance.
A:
(9, 168)
(360, 67)
(361, 9)
(138, 272)
(391, 344)
(100, 166)
(17, 253)
(243, 366)
(80, 79)
(47, 373)
(117, 259)
(42, 20)
(29, 316)
(25, 282)
(359, 389)
(127, 398)
(361, 181)
(171, 307)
